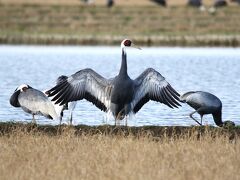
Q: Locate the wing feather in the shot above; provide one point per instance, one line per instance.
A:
(151, 85)
(84, 84)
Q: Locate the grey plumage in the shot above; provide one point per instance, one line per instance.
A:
(60, 108)
(120, 95)
(33, 102)
(236, 1)
(160, 2)
(110, 3)
(195, 3)
(61, 79)
(204, 103)
(70, 105)
(220, 3)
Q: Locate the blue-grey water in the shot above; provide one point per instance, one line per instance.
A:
(216, 70)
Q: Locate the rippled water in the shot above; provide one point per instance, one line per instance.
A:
(216, 70)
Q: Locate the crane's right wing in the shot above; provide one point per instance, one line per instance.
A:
(84, 84)
(151, 85)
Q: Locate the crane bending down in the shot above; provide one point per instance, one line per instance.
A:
(120, 95)
(33, 102)
(205, 103)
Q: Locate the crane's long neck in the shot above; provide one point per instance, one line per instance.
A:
(123, 69)
(218, 118)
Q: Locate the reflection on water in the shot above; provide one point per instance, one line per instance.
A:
(215, 70)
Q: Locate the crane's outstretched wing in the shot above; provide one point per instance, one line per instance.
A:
(85, 84)
(151, 85)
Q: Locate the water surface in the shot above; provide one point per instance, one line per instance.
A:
(215, 70)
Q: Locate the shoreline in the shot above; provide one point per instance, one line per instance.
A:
(7, 128)
(172, 41)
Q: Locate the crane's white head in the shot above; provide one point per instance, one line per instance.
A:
(128, 43)
(23, 87)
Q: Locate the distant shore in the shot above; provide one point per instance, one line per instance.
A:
(196, 41)
(147, 25)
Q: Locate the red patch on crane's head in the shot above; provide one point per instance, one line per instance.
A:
(127, 42)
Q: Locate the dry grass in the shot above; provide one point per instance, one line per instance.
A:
(33, 154)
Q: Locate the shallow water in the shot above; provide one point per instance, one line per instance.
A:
(215, 70)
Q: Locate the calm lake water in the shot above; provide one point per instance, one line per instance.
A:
(216, 70)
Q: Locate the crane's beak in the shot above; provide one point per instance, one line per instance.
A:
(133, 45)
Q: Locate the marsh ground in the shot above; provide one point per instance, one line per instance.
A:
(107, 152)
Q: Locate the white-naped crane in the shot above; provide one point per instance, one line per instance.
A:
(33, 102)
(160, 2)
(205, 103)
(120, 95)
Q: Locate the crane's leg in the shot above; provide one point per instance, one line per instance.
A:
(201, 118)
(117, 123)
(127, 109)
(126, 121)
(121, 114)
(33, 119)
(70, 118)
(60, 121)
(116, 112)
(194, 118)
(60, 118)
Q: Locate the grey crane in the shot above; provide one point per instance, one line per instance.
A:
(236, 1)
(110, 3)
(195, 3)
(205, 103)
(120, 95)
(160, 2)
(220, 3)
(33, 102)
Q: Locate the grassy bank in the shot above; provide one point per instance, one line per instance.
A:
(109, 130)
(107, 152)
(97, 25)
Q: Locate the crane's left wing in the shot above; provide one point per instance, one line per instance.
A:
(151, 85)
(84, 84)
